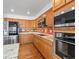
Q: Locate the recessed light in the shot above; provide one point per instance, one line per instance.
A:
(73, 8)
(12, 10)
(28, 12)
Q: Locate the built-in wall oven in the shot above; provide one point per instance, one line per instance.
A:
(65, 45)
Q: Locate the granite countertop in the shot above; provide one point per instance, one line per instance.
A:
(11, 51)
(42, 35)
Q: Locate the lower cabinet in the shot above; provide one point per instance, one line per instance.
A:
(44, 46)
(56, 57)
(24, 39)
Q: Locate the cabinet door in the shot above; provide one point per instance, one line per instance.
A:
(36, 23)
(58, 3)
(22, 25)
(29, 24)
(45, 48)
(48, 49)
(23, 39)
(68, 1)
(49, 18)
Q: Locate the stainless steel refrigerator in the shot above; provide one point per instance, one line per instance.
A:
(10, 32)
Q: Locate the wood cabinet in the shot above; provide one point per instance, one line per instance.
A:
(26, 23)
(68, 4)
(58, 3)
(56, 57)
(29, 24)
(25, 39)
(36, 24)
(67, 1)
(10, 19)
(44, 46)
(23, 24)
(49, 18)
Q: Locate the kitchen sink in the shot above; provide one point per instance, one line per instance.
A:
(42, 34)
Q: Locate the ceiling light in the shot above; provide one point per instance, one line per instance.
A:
(73, 8)
(28, 12)
(12, 10)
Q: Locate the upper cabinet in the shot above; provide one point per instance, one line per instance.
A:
(23, 24)
(49, 21)
(36, 23)
(29, 23)
(58, 3)
(67, 1)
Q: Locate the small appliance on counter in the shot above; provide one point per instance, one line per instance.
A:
(65, 45)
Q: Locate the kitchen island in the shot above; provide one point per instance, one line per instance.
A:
(11, 51)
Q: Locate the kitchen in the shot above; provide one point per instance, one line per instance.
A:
(39, 29)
